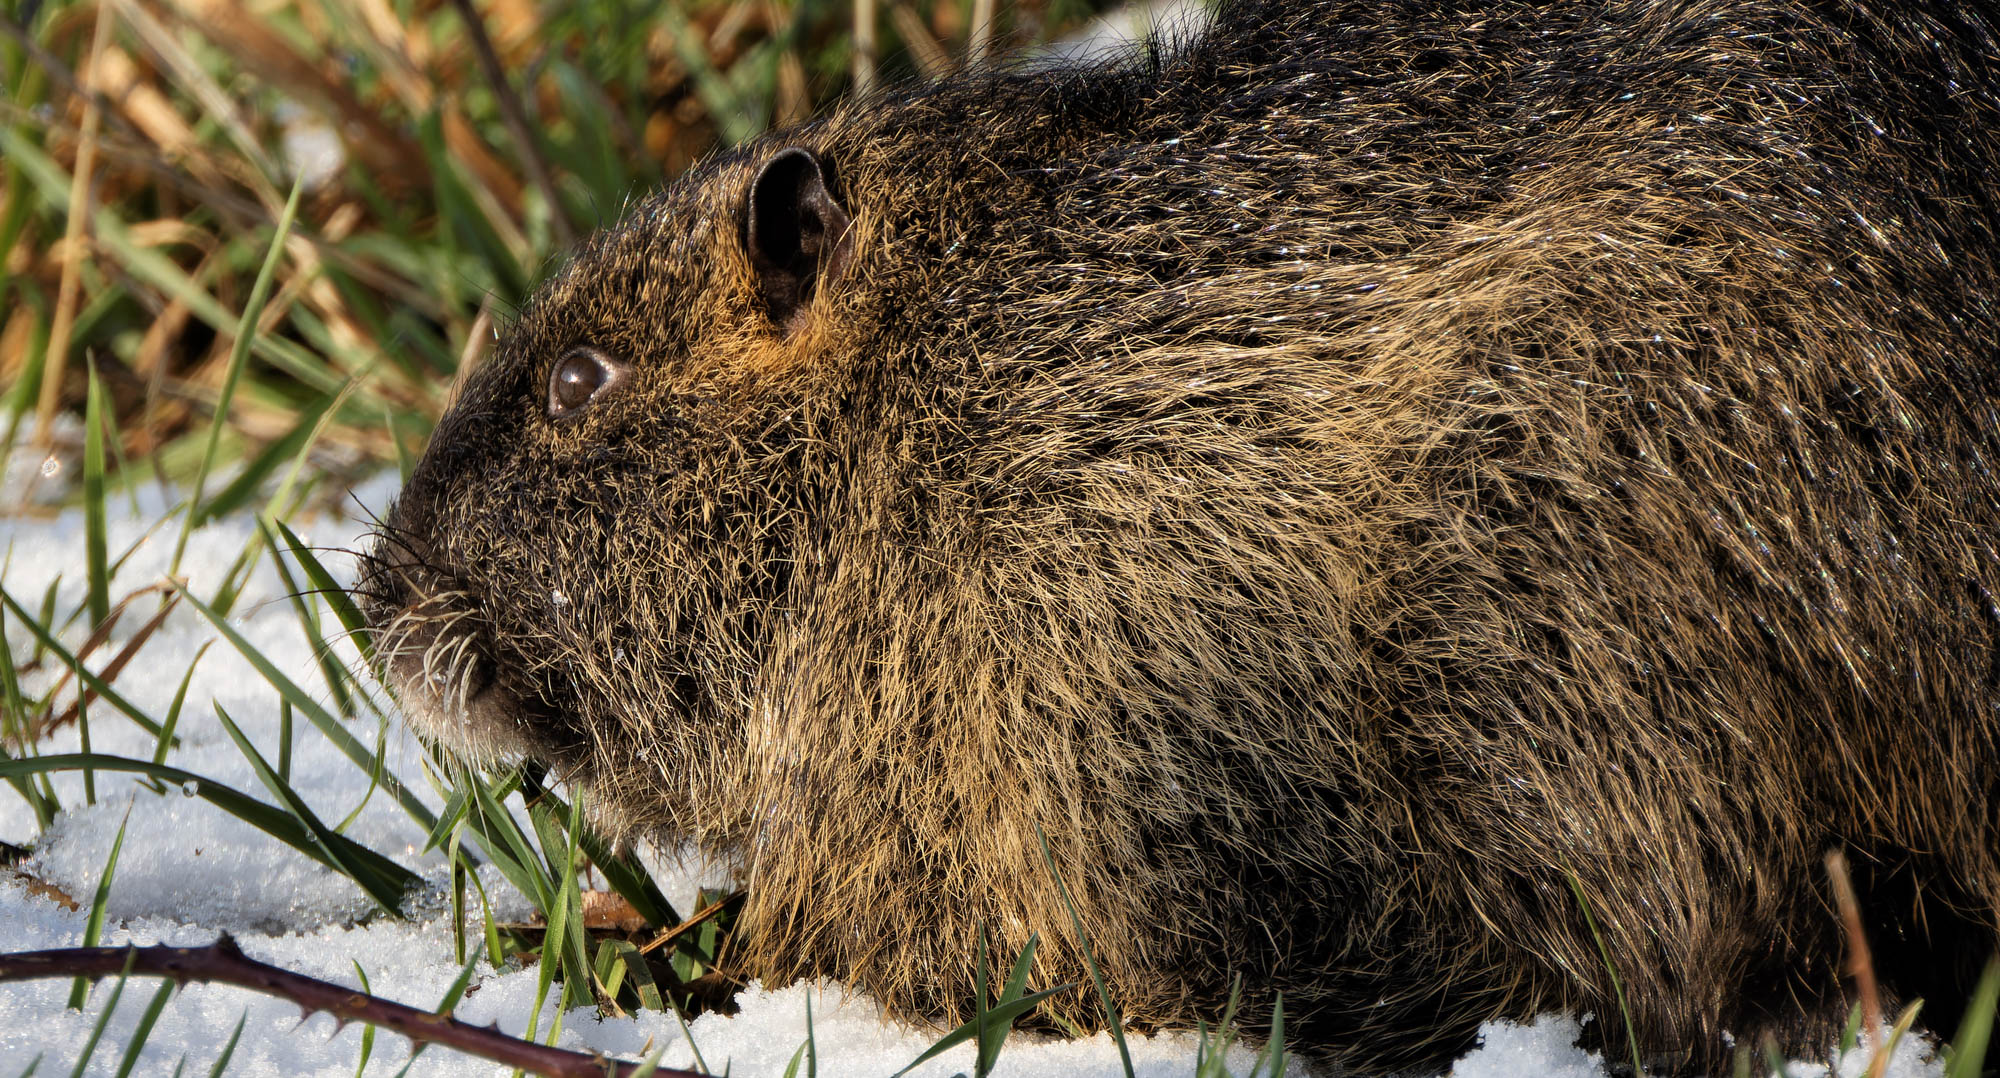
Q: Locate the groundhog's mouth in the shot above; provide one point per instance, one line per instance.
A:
(435, 653)
(436, 660)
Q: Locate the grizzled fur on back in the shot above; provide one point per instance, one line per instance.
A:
(1366, 485)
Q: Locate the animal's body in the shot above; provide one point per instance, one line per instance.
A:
(1367, 488)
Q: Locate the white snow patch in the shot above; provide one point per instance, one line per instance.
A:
(1545, 1047)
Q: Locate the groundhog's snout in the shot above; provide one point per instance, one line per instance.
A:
(433, 648)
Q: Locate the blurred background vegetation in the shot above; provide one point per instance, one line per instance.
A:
(446, 152)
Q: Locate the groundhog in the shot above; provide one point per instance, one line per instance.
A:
(1376, 489)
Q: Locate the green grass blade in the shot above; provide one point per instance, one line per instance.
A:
(798, 1057)
(229, 1049)
(266, 818)
(608, 969)
(458, 986)
(331, 592)
(239, 354)
(48, 618)
(145, 1028)
(450, 1002)
(95, 557)
(316, 714)
(694, 1049)
(330, 668)
(14, 723)
(367, 1033)
(1610, 970)
(1272, 1060)
(103, 1017)
(333, 410)
(623, 872)
(644, 988)
(284, 741)
(233, 579)
(455, 887)
(44, 807)
(387, 891)
(1113, 1019)
(93, 925)
(574, 951)
(496, 952)
(651, 1064)
(374, 782)
(505, 845)
(1017, 978)
(144, 538)
(1017, 982)
(166, 738)
(556, 914)
(16, 713)
(979, 1004)
(1902, 1026)
(244, 487)
(96, 684)
(405, 464)
(83, 736)
(999, 1019)
(1211, 1059)
(1967, 1058)
(456, 807)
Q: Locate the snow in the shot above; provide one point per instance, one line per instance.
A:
(188, 871)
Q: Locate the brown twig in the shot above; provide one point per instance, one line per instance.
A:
(67, 296)
(1860, 963)
(931, 57)
(223, 962)
(679, 930)
(515, 116)
(864, 46)
(118, 662)
(979, 45)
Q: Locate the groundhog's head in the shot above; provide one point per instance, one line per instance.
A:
(580, 567)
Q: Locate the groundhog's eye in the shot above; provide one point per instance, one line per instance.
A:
(583, 376)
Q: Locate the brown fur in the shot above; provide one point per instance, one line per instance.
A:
(1343, 482)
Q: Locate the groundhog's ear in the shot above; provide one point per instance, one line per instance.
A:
(795, 234)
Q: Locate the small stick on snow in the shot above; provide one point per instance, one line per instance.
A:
(222, 962)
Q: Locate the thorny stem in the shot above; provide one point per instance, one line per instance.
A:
(224, 963)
